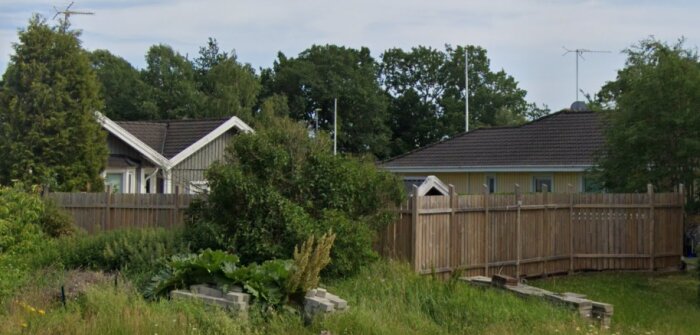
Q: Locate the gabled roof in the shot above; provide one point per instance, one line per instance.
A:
(562, 141)
(170, 137)
(169, 142)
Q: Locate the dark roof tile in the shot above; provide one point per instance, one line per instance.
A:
(565, 138)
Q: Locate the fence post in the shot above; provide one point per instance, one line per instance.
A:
(416, 236)
(108, 215)
(453, 208)
(518, 203)
(487, 224)
(681, 191)
(570, 188)
(650, 194)
(544, 240)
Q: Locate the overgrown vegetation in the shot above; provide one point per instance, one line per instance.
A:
(645, 303)
(279, 186)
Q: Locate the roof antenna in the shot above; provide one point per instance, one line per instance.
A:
(67, 12)
(579, 54)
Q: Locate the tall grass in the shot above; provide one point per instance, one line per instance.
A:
(644, 303)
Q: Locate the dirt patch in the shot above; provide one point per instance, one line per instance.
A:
(76, 282)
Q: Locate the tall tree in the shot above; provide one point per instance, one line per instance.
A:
(126, 96)
(426, 86)
(173, 78)
(230, 88)
(653, 132)
(321, 73)
(48, 132)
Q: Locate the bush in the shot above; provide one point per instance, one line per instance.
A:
(138, 253)
(278, 186)
(57, 222)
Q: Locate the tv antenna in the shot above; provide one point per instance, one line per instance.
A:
(579, 54)
(67, 12)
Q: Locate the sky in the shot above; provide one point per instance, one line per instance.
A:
(525, 38)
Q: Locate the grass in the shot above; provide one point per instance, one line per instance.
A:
(644, 303)
(385, 298)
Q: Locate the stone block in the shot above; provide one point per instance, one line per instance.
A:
(207, 290)
(320, 292)
(318, 304)
(575, 295)
(478, 281)
(311, 293)
(527, 290)
(237, 297)
(338, 303)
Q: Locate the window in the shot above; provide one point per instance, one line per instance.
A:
(539, 181)
(115, 182)
(491, 184)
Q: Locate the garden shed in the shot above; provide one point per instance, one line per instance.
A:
(427, 185)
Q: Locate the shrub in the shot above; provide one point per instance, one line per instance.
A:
(278, 186)
(57, 222)
(136, 252)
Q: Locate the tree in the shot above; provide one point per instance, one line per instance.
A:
(322, 73)
(278, 186)
(426, 87)
(48, 132)
(126, 96)
(653, 120)
(172, 77)
(230, 87)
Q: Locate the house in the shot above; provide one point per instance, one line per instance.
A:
(165, 156)
(555, 150)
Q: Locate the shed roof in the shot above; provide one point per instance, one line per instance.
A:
(563, 139)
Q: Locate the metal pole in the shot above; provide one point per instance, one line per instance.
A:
(577, 55)
(335, 126)
(466, 89)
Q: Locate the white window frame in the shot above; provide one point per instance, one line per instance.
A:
(128, 179)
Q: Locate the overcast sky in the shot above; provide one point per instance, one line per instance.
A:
(523, 37)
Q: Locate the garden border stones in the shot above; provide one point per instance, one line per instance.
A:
(234, 300)
(594, 310)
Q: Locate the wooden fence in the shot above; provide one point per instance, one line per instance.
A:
(537, 234)
(106, 211)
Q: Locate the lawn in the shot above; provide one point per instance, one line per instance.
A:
(644, 303)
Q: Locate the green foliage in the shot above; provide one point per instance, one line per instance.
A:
(172, 78)
(231, 88)
(126, 96)
(322, 73)
(138, 253)
(426, 89)
(654, 124)
(309, 259)
(266, 282)
(48, 132)
(55, 221)
(279, 186)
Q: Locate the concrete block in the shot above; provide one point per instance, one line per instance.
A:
(602, 307)
(207, 290)
(311, 293)
(575, 295)
(320, 292)
(237, 297)
(478, 281)
(338, 303)
(318, 304)
(527, 290)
